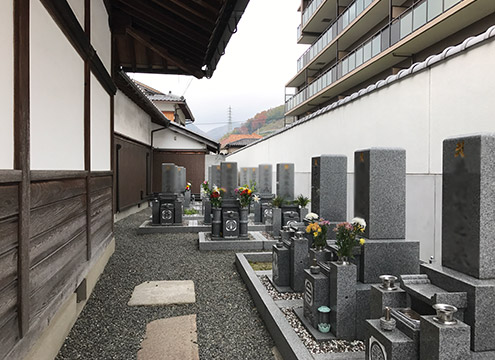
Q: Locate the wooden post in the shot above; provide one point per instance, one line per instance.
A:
(87, 127)
(22, 154)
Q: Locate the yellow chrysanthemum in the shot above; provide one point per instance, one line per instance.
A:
(315, 234)
(308, 229)
(361, 241)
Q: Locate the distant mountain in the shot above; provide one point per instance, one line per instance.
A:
(263, 123)
(219, 132)
(197, 130)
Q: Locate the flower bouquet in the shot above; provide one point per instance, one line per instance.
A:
(318, 229)
(188, 186)
(244, 195)
(216, 196)
(348, 236)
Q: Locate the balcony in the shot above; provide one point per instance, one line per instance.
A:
(419, 27)
(357, 19)
(317, 16)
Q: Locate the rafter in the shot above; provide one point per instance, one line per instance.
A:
(202, 21)
(145, 40)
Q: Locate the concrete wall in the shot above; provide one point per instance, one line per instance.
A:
(57, 96)
(6, 86)
(415, 113)
(130, 120)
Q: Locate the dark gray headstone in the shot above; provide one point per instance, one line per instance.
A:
(316, 293)
(215, 175)
(228, 178)
(264, 183)
(468, 205)
(169, 178)
(181, 186)
(329, 187)
(298, 262)
(380, 192)
(285, 181)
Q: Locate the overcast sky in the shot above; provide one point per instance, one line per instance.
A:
(259, 60)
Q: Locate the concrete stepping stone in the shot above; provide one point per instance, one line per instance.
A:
(152, 293)
(170, 339)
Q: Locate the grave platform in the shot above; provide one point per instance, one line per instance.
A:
(256, 242)
(194, 224)
(287, 341)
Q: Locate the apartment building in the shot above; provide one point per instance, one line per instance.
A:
(355, 43)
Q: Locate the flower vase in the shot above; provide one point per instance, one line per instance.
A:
(216, 225)
(343, 260)
(243, 221)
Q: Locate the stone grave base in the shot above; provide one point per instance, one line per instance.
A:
(319, 336)
(193, 226)
(257, 242)
(287, 341)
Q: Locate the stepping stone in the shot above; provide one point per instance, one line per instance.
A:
(163, 293)
(170, 339)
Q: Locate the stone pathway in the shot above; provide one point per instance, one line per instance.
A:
(152, 293)
(170, 339)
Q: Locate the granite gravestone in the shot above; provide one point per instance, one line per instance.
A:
(329, 187)
(264, 184)
(247, 176)
(380, 192)
(170, 178)
(215, 172)
(468, 205)
(379, 198)
(228, 178)
(181, 185)
(285, 181)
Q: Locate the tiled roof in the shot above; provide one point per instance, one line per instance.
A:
(235, 137)
(241, 142)
(451, 51)
(155, 95)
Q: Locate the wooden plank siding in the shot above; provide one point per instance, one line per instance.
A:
(9, 231)
(194, 162)
(133, 172)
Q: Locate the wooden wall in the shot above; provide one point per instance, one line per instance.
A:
(133, 171)
(194, 162)
(60, 250)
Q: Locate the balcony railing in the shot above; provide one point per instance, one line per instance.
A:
(310, 10)
(412, 19)
(340, 24)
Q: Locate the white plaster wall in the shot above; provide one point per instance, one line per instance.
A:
(57, 96)
(100, 127)
(168, 139)
(7, 86)
(77, 7)
(164, 106)
(416, 113)
(100, 32)
(130, 120)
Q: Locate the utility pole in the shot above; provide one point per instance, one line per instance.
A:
(230, 119)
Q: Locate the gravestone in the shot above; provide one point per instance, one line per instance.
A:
(380, 192)
(215, 178)
(380, 198)
(228, 178)
(468, 203)
(329, 187)
(264, 184)
(170, 178)
(181, 186)
(285, 181)
(247, 176)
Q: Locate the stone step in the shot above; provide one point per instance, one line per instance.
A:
(431, 294)
(415, 279)
(170, 339)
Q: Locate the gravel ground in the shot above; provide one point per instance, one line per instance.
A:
(229, 326)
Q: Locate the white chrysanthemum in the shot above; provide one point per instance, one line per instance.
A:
(311, 216)
(360, 221)
(256, 198)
